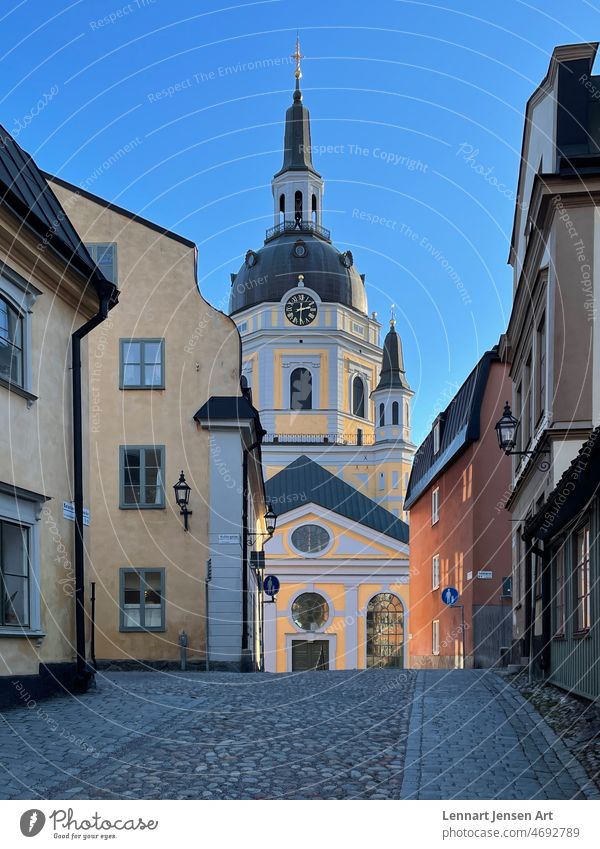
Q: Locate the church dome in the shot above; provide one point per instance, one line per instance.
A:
(269, 273)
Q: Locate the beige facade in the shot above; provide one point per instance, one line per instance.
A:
(42, 303)
(161, 307)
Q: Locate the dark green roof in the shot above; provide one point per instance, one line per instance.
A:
(312, 483)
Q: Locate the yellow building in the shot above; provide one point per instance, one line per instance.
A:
(337, 453)
(166, 397)
(51, 295)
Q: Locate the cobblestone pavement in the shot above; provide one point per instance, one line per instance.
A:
(332, 735)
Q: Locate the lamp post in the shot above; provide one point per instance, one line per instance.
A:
(258, 560)
(182, 497)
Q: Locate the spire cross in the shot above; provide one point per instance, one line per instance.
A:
(297, 56)
(393, 316)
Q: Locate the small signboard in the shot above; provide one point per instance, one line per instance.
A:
(485, 575)
(229, 539)
(450, 595)
(271, 585)
(69, 512)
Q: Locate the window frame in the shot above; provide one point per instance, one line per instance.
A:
(310, 405)
(137, 506)
(25, 508)
(358, 380)
(541, 343)
(141, 571)
(95, 248)
(142, 341)
(582, 628)
(381, 414)
(435, 572)
(559, 591)
(20, 295)
(435, 505)
(435, 637)
(26, 578)
(395, 413)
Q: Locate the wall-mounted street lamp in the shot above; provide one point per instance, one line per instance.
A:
(182, 497)
(506, 430)
(270, 523)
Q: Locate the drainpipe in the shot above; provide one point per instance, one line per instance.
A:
(84, 672)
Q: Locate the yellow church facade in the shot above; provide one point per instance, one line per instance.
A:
(334, 401)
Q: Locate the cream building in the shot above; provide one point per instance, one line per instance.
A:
(164, 379)
(337, 453)
(51, 295)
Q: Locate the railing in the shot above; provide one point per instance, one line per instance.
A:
(319, 439)
(298, 227)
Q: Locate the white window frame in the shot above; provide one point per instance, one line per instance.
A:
(21, 295)
(436, 438)
(435, 637)
(435, 572)
(435, 505)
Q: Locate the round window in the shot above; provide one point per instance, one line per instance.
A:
(310, 611)
(310, 538)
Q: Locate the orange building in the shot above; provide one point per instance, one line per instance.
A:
(460, 531)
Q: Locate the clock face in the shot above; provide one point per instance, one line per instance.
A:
(301, 309)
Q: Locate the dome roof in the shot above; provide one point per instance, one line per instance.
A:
(276, 267)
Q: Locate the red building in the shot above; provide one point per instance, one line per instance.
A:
(460, 533)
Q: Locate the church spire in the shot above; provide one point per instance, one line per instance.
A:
(392, 375)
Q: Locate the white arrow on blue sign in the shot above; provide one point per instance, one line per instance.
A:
(450, 595)
(271, 585)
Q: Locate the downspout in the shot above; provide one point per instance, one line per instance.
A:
(84, 672)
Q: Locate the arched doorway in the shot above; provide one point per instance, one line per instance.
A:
(385, 631)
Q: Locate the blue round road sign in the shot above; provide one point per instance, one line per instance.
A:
(450, 595)
(271, 585)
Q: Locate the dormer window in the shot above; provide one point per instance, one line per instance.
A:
(436, 438)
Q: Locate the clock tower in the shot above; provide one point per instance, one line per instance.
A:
(334, 402)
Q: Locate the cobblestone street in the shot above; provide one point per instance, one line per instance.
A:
(379, 734)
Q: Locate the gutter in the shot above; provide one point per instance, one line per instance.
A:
(108, 298)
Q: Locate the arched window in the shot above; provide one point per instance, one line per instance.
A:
(395, 412)
(381, 415)
(281, 208)
(406, 414)
(314, 209)
(358, 397)
(301, 389)
(11, 344)
(298, 208)
(385, 631)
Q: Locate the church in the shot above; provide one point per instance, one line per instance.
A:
(337, 452)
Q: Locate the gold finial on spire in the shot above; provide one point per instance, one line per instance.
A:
(297, 56)
(393, 316)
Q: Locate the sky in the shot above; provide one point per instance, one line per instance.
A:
(175, 110)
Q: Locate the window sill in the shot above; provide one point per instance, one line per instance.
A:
(435, 589)
(142, 507)
(581, 635)
(142, 630)
(143, 388)
(559, 638)
(18, 390)
(27, 633)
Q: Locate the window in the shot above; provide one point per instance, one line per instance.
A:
(541, 368)
(559, 592)
(142, 599)
(358, 397)
(298, 212)
(582, 578)
(381, 479)
(310, 611)
(142, 476)
(311, 539)
(519, 414)
(14, 574)
(395, 413)
(104, 255)
(507, 587)
(142, 364)
(528, 402)
(243, 326)
(435, 505)
(435, 637)
(406, 414)
(381, 415)
(395, 479)
(358, 328)
(301, 389)
(11, 344)
(435, 571)
(385, 631)
(436, 437)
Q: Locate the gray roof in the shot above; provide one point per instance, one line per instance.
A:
(277, 268)
(459, 427)
(225, 408)
(392, 374)
(25, 192)
(297, 150)
(316, 485)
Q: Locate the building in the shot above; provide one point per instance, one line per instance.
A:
(51, 295)
(166, 399)
(552, 344)
(460, 533)
(336, 410)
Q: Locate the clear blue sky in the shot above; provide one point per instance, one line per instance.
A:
(400, 81)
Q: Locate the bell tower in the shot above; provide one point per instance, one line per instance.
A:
(297, 186)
